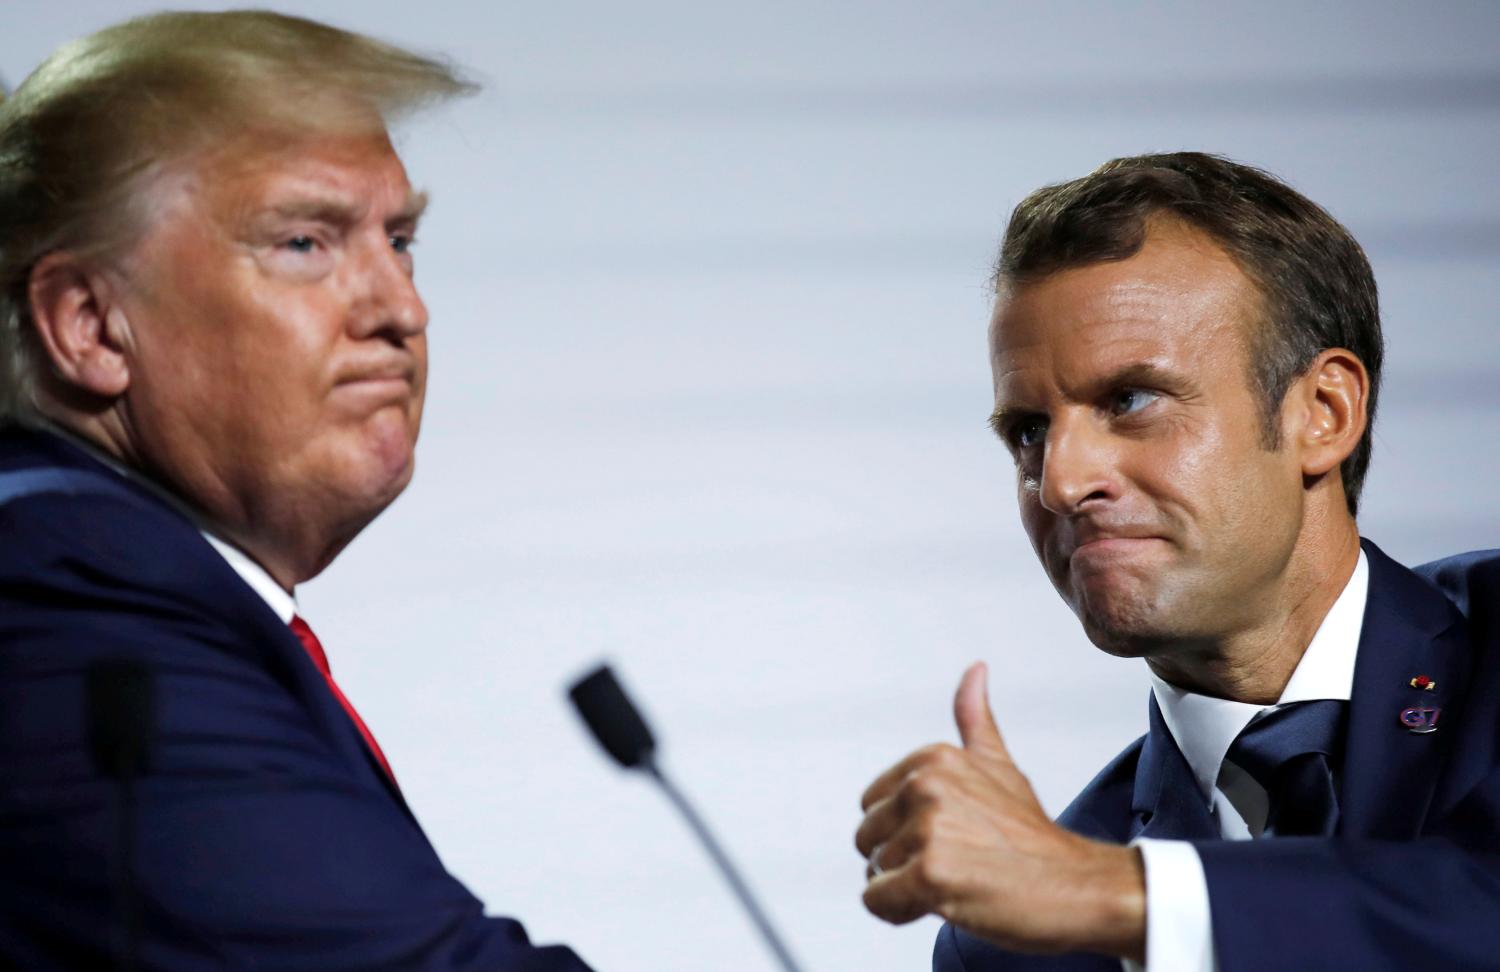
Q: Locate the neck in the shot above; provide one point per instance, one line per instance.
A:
(105, 435)
(1254, 664)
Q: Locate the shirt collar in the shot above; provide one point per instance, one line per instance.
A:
(277, 598)
(282, 602)
(1205, 727)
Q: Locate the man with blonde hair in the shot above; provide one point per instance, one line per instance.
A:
(212, 368)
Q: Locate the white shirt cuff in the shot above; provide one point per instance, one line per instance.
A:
(1179, 929)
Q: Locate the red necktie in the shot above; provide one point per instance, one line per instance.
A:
(315, 650)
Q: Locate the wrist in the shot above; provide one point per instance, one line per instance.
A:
(1114, 912)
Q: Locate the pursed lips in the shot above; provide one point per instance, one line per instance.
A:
(378, 385)
(399, 371)
(1102, 541)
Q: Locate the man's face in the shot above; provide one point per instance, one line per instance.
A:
(1122, 389)
(279, 357)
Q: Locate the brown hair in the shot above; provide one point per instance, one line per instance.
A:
(1317, 288)
(82, 138)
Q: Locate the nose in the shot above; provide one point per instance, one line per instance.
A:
(390, 305)
(1078, 467)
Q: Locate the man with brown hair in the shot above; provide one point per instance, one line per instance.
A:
(1186, 356)
(214, 362)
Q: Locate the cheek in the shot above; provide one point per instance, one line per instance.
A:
(1036, 521)
(1192, 469)
(1224, 489)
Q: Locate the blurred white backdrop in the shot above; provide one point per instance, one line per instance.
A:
(709, 393)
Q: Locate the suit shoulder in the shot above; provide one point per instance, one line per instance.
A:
(57, 533)
(1468, 579)
(1100, 806)
(113, 566)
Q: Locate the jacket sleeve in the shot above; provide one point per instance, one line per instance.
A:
(257, 842)
(1344, 903)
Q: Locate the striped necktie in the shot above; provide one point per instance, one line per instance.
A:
(1290, 752)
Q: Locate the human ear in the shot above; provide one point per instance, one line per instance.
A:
(1334, 393)
(85, 336)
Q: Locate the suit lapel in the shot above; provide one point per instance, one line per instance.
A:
(200, 571)
(1166, 802)
(1389, 771)
(313, 687)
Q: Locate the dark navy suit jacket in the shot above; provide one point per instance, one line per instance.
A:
(268, 838)
(1411, 879)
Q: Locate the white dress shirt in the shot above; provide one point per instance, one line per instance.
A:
(279, 599)
(1179, 929)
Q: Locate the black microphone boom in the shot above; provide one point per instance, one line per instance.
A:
(120, 702)
(119, 706)
(617, 724)
(612, 718)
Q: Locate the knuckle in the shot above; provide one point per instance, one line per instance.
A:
(887, 904)
(924, 786)
(924, 830)
(936, 754)
(929, 871)
(946, 755)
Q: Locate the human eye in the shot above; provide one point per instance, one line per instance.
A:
(1029, 432)
(297, 254)
(1128, 401)
(402, 242)
(1024, 433)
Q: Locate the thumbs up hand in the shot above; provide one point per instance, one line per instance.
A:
(958, 832)
(976, 723)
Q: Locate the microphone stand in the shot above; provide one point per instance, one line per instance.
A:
(726, 867)
(617, 724)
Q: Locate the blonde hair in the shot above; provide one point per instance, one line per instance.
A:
(82, 137)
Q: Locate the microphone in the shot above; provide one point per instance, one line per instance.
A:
(617, 724)
(120, 701)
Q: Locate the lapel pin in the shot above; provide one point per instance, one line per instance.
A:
(1424, 683)
(1421, 719)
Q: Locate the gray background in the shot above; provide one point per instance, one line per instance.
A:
(709, 397)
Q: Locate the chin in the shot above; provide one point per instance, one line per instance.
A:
(387, 479)
(389, 454)
(364, 474)
(1121, 643)
(1126, 625)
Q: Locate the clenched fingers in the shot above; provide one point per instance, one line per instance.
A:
(887, 783)
(928, 775)
(903, 890)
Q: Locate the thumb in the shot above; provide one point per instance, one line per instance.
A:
(971, 710)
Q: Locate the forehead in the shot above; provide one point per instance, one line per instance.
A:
(358, 170)
(1179, 303)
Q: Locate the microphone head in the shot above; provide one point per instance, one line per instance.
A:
(612, 718)
(120, 699)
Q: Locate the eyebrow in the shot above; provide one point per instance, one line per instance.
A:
(1139, 374)
(411, 211)
(346, 212)
(999, 417)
